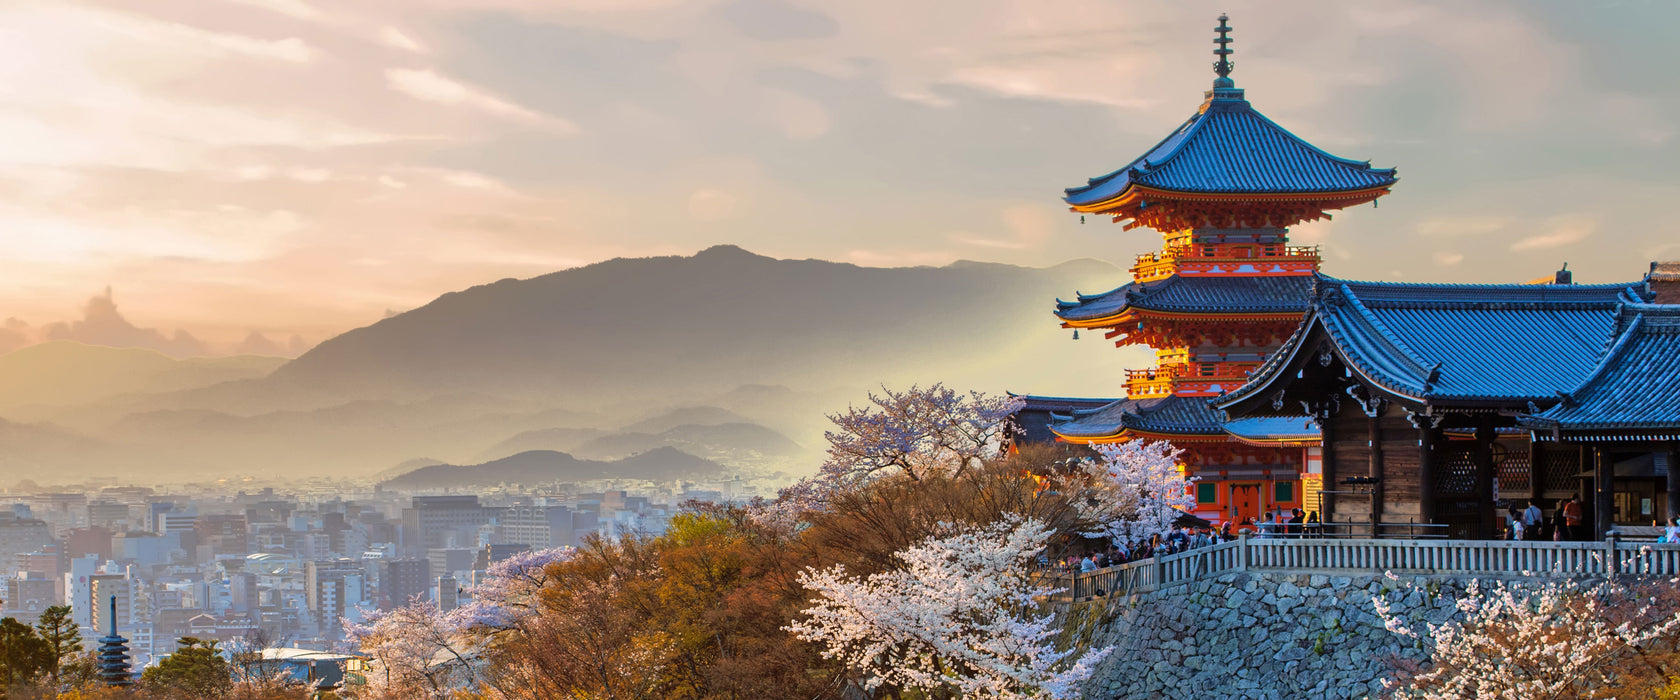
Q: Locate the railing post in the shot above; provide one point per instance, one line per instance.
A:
(1160, 572)
(1611, 565)
(1242, 550)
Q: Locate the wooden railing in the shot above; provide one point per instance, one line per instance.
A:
(1342, 557)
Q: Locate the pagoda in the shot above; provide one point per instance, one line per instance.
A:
(113, 660)
(1219, 298)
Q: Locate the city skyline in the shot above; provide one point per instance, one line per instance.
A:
(295, 169)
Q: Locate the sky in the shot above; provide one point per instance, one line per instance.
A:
(262, 174)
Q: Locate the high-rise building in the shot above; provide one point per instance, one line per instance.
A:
(101, 588)
(20, 536)
(540, 527)
(449, 561)
(329, 588)
(224, 534)
(436, 522)
(402, 580)
(447, 593)
(28, 594)
(109, 515)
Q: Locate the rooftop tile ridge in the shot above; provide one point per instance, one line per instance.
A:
(1131, 165)
(1536, 288)
(1423, 365)
(1267, 121)
(1610, 357)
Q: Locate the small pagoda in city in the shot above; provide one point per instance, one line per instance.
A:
(1217, 300)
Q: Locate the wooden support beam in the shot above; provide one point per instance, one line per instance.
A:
(1485, 497)
(1427, 487)
(1376, 472)
(1604, 505)
(1674, 478)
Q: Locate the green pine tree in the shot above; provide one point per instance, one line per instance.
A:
(196, 670)
(24, 655)
(62, 638)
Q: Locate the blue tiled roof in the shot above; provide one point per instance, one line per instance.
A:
(1430, 342)
(1173, 415)
(1037, 412)
(1228, 147)
(1274, 428)
(1195, 294)
(1635, 386)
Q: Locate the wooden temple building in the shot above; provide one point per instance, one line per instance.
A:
(1380, 405)
(1216, 301)
(1452, 401)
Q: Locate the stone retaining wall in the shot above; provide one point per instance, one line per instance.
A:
(1271, 636)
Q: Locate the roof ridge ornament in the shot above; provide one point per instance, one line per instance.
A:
(1223, 66)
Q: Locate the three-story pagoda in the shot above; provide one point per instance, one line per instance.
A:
(1223, 293)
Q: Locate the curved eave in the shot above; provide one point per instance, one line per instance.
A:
(1129, 434)
(1132, 314)
(1277, 442)
(1616, 434)
(1134, 195)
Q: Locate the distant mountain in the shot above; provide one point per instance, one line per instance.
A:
(547, 466)
(65, 373)
(36, 450)
(687, 415)
(640, 346)
(726, 441)
(672, 327)
(556, 439)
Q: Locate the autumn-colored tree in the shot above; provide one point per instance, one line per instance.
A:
(695, 613)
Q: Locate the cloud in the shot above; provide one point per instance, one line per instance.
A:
(799, 118)
(102, 324)
(258, 344)
(707, 204)
(430, 86)
(1448, 259)
(1560, 231)
(1453, 226)
(297, 9)
(770, 20)
(395, 38)
(14, 334)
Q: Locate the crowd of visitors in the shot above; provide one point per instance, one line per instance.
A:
(1295, 523)
(1523, 521)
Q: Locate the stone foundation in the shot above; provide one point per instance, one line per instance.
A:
(1262, 636)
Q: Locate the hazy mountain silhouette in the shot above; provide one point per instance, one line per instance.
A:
(547, 466)
(726, 441)
(64, 372)
(632, 347)
(677, 326)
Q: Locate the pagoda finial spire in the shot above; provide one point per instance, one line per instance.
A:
(1223, 66)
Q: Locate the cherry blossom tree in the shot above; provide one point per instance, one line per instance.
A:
(959, 617)
(508, 593)
(1533, 642)
(413, 652)
(1130, 490)
(418, 651)
(916, 432)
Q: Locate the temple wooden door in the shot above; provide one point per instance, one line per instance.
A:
(1244, 502)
